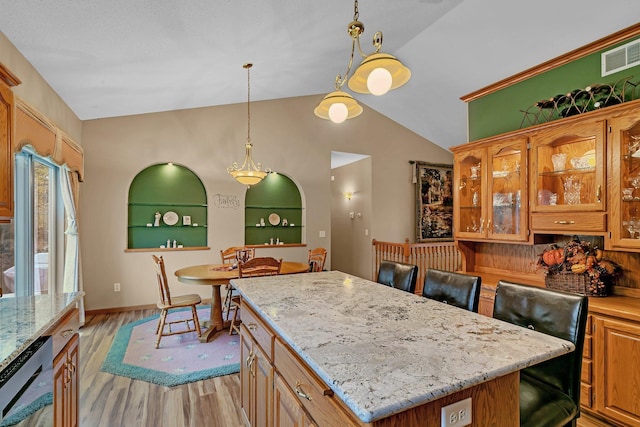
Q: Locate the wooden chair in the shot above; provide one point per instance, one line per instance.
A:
(398, 275)
(261, 266)
(167, 302)
(233, 255)
(460, 290)
(317, 258)
(549, 391)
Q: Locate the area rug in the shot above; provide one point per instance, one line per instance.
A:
(180, 359)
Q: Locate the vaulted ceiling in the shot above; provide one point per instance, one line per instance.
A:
(122, 57)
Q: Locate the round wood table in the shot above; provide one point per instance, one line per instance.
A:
(217, 275)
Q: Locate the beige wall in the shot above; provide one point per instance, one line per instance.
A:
(36, 92)
(287, 137)
(351, 219)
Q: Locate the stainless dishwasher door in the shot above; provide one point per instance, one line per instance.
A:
(30, 369)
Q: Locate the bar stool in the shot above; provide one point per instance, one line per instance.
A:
(457, 289)
(398, 275)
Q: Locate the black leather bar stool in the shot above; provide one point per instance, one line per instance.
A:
(549, 391)
(460, 290)
(398, 275)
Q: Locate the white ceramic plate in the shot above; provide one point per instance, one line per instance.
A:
(170, 218)
(274, 219)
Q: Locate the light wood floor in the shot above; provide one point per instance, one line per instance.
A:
(110, 400)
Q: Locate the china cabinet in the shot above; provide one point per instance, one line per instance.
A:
(491, 201)
(624, 136)
(568, 177)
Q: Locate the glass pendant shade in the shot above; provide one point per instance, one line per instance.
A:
(333, 107)
(399, 73)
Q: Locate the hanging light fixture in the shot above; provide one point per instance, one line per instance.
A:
(377, 74)
(249, 173)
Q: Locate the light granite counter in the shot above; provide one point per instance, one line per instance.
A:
(23, 319)
(382, 350)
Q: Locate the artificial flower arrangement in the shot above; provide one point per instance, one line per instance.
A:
(579, 259)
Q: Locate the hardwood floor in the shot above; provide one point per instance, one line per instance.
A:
(111, 400)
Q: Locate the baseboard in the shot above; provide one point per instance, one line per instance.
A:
(129, 308)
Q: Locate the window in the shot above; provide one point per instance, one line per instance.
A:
(38, 228)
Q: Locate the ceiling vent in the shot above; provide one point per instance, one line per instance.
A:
(621, 58)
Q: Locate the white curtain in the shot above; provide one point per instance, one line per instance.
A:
(72, 281)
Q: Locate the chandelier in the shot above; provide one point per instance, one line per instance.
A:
(377, 74)
(249, 173)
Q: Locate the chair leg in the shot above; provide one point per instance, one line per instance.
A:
(160, 329)
(232, 326)
(196, 321)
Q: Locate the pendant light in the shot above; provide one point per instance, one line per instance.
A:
(377, 74)
(249, 173)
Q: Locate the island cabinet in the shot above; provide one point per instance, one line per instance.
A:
(65, 370)
(491, 201)
(611, 361)
(256, 373)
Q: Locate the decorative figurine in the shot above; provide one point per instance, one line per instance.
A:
(156, 223)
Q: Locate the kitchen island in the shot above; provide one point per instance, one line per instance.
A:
(333, 343)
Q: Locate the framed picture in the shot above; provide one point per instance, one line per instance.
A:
(434, 202)
(186, 220)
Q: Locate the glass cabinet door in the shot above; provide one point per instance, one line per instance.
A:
(507, 191)
(625, 200)
(470, 207)
(567, 168)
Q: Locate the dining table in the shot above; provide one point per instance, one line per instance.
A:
(217, 275)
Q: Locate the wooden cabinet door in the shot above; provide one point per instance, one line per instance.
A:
(287, 411)
(624, 176)
(246, 354)
(617, 370)
(66, 385)
(470, 194)
(262, 372)
(6, 152)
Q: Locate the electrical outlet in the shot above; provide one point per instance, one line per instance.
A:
(116, 287)
(457, 414)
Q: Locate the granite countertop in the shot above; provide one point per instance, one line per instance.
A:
(23, 319)
(382, 350)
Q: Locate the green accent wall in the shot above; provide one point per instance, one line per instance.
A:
(163, 188)
(277, 194)
(503, 111)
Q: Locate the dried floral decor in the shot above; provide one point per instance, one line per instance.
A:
(578, 101)
(579, 267)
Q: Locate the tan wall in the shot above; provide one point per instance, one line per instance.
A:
(287, 137)
(36, 92)
(351, 219)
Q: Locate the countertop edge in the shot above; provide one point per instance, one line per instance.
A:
(40, 332)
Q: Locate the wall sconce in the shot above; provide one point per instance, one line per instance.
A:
(348, 195)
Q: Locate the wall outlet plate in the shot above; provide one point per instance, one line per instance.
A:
(457, 414)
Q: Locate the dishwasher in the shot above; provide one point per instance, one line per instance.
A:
(27, 369)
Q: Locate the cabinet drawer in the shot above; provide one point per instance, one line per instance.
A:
(569, 221)
(585, 395)
(319, 402)
(258, 330)
(586, 375)
(64, 330)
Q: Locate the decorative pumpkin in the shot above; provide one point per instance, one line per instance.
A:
(553, 256)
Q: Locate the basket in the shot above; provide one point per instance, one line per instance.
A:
(579, 283)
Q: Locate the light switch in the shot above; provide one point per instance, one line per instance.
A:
(322, 233)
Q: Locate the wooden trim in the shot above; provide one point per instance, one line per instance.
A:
(581, 52)
(8, 77)
(189, 248)
(112, 310)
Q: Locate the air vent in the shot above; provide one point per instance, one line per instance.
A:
(621, 58)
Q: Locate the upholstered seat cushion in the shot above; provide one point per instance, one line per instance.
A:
(544, 406)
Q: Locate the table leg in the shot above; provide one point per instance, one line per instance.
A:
(216, 324)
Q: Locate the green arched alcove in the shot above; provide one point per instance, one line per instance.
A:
(278, 197)
(167, 188)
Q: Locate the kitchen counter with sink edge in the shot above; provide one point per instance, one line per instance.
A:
(385, 354)
(24, 319)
